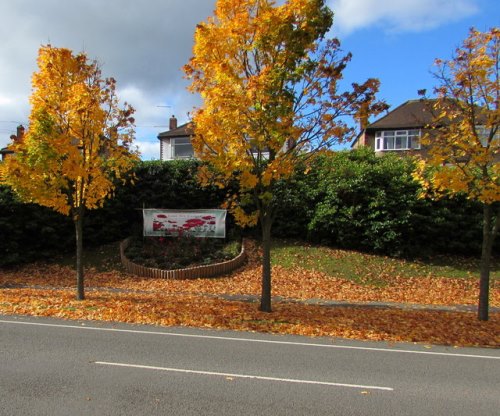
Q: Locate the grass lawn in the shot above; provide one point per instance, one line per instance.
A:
(358, 267)
(370, 268)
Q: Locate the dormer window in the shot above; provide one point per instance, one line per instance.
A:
(397, 140)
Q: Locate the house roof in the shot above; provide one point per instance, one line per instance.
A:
(181, 131)
(411, 114)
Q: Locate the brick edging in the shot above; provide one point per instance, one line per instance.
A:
(195, 272)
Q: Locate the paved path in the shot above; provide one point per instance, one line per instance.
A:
(254, 299)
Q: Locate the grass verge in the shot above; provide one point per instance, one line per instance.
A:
(370, 268)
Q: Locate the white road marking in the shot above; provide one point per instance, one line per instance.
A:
(232, 375)
(261, 341)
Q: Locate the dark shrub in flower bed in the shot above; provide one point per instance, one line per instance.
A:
(180, 252)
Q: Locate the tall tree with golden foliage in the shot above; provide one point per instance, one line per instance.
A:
(269, 80)
(464, 140)
(78, 145)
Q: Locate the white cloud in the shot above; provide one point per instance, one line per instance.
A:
(143, 45)
(398, 15)
(152, 114)
(149, 150)
(5, 100)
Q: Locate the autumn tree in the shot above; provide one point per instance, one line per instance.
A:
(464, 137)
(78, 143)
(269, 79)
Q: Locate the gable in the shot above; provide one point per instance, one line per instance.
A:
(411, 114)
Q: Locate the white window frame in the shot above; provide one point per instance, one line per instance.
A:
(397, 140)
(173, 146)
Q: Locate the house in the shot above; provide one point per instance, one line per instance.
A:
(176, 142)
(400, 130)
(6, 151)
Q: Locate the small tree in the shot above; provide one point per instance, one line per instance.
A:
(269, 81)
(78, 142)
(464, 140)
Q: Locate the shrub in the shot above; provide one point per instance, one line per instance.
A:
(158, 184)
(180, 252)
(357, 200)
(30, 232)
(363, 201)
(348, 199)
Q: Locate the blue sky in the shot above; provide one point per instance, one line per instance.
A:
(402, 57)
(144, 45)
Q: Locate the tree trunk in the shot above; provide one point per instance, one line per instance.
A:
(490, 229)
(265, 300)
(78, 220)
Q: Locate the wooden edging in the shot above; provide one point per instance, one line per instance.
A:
(196, 272)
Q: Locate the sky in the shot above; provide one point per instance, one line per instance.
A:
(144, 44)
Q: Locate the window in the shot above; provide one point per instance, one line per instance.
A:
(397, 140)
(182, 148)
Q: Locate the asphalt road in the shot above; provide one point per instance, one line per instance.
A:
(54, 367)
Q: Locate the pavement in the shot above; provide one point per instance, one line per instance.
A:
(57, 367)
(280, 299)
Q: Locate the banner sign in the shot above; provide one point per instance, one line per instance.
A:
(209, 223)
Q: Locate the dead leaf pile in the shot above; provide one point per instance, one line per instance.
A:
(436, 327)
(48, 290)
(296, 283)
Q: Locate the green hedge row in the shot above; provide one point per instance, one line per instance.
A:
(29, 232)
(352, 200)
(169, 185)
(357, 200)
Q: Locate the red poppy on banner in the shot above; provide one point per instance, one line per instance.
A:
(209, 223)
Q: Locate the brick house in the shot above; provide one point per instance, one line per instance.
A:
(400, 130)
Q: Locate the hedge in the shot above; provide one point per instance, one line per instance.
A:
(357, 200)
(348, 199)
(30, 232)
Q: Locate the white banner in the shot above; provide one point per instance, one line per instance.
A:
(209, 223)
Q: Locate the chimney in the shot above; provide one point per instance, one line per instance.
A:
(172, 123)
(20, 133)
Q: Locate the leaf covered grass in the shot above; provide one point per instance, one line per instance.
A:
(48, 290)
(392, 325)
(371, 268)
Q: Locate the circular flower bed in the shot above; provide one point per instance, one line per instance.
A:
(181, 252)
(181, 258)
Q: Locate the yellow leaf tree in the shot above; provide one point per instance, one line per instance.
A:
(269, 79)
(464, 139)
(78, 145)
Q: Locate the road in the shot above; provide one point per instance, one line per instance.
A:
(55, 367)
